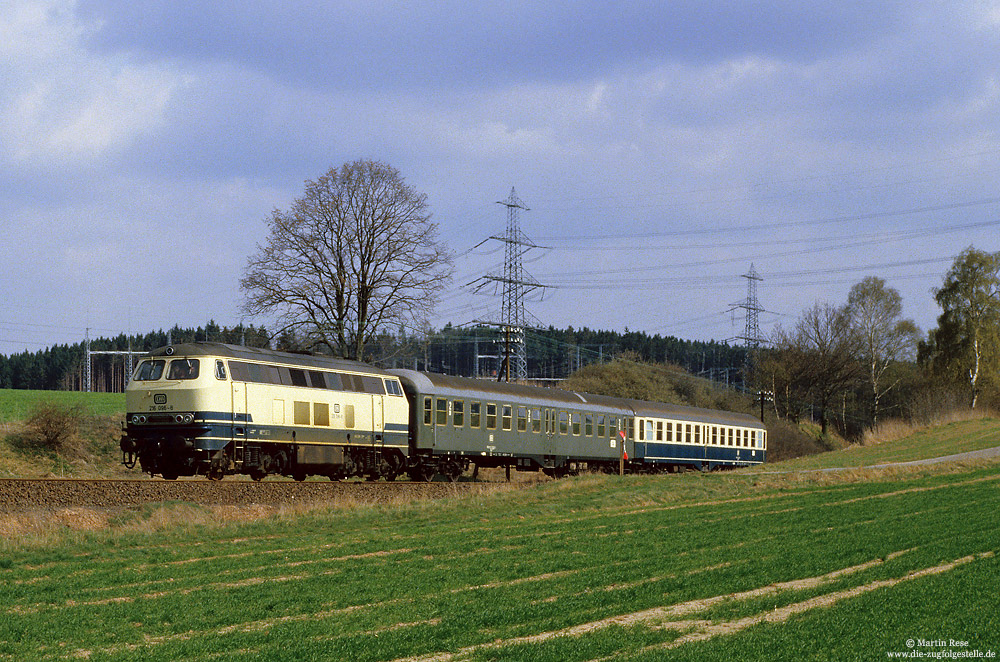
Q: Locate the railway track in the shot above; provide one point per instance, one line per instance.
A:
(19, 494)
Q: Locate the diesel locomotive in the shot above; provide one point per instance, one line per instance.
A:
(211, 409)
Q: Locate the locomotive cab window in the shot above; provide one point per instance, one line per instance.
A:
(149, 371)
(183, 369)
(220, 370)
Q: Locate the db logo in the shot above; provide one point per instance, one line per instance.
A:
(160, 399)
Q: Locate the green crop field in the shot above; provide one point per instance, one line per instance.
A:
(15, 405)
(693, 567)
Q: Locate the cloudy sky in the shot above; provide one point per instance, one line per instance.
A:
(662, 147)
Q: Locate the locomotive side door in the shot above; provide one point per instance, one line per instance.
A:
(240, 421)
(378, 419)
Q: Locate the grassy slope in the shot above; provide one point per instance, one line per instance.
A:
(916, 546)
(15, 405)
(959, 437)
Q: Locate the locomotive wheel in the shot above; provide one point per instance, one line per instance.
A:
(170, 475)
(424, 473)
(257, 475)
(299, 475)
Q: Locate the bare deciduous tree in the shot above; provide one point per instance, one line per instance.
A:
(875, 313)
(819, 356)
(355, 255)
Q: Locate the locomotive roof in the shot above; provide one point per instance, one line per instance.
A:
(257, 354)
(472, 388)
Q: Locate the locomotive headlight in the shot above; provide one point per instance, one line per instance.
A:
(189, 418)
(135, 419)
(178, 419)
(142, 419)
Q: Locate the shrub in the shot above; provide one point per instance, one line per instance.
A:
(52, 427)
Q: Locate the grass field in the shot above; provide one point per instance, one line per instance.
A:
(957, 437)
(692, 567)
(15, 405)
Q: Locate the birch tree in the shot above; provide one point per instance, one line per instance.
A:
(884, 337)
(965, 342)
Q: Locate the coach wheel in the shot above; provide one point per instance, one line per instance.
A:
(452, 470)
(257, 475)
(170, 475)
(299, 475)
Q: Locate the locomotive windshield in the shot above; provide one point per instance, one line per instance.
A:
(149, 371)
(183, 369)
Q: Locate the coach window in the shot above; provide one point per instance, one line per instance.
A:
(588, 425)
(697, 434)
(670, 431)
(321, 414)
(601, 425)
(536, 419)
(649, 430)
(458, 416)
(427, 411)
(576, 424)
(563, 423)
(491, 416)
(730, 436)
(183, 369)
(507, 416)
(522, 419)
(442, 411)
(612, 426)
(475, 414)
(630, 426)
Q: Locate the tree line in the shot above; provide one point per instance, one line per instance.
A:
(851, 365)
(553, 353)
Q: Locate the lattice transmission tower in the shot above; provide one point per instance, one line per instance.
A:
(751, 337)
(515, 283)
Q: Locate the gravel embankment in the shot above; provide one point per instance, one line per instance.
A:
(18, 494)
